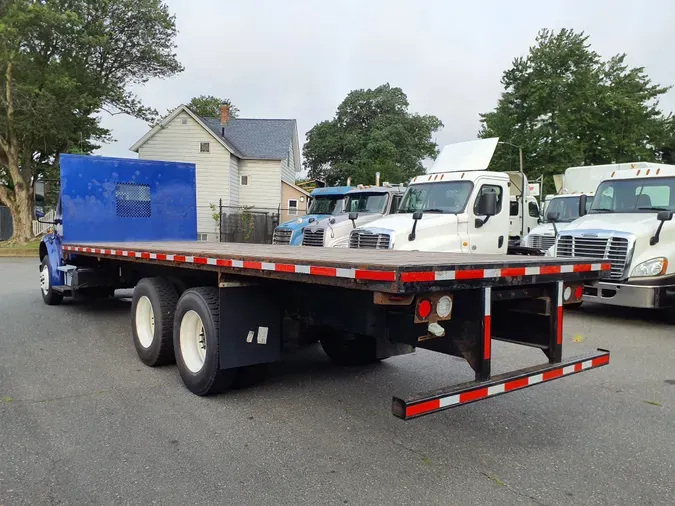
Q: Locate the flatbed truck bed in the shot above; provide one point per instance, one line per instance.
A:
(222, 312)
(499, 298)
(376, 270)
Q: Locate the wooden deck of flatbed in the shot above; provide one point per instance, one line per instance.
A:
(376, 270)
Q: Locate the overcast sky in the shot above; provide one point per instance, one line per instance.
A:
(299, 58)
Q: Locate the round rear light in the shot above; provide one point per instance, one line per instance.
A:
(567, 293)
(444, 306)
(578, 292)
(424, 309)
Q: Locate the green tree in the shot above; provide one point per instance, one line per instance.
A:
(371, 132)
(61, 62)
(208, 106)
(566, 106)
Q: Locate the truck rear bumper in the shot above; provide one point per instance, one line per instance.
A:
(459, 395)
(638, 296)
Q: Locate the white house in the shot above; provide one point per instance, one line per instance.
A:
(244, 162)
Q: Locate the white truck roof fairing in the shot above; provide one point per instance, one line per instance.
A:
(586, 178)
(465, 156)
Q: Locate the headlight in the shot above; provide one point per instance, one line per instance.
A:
(550, 252)
(653, 267)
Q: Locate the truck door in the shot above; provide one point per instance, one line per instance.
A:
(489, 236)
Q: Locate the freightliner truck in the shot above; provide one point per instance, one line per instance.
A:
(221, 311)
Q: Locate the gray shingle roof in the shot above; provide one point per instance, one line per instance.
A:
(267, 139)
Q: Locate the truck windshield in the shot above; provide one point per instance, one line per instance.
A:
(567, 208)
(635, 196)
(366, 202)
(446, 197)
(327, 204)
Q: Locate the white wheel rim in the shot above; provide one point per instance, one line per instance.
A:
(145, 322)
(44, 279)
(192, 341)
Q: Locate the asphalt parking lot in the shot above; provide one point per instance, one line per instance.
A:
(82, 421)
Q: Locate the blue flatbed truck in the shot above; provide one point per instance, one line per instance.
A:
(222, 311)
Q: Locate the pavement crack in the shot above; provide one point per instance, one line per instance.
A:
(512, 490)
(57, 398)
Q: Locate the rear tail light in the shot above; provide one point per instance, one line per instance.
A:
(424, 309)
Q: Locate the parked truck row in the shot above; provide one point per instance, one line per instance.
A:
(618, 212)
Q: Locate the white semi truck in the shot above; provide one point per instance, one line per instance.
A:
(458, 206)
(362, 206)
(630, 224)
(576, 181)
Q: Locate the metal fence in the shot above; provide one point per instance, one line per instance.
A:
(6, 224)
(246, 224)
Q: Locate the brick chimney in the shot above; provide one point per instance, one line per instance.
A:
(224, 114)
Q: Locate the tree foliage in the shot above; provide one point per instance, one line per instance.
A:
(208, 106)
(61, 62)
(372, 131)
(566, 106)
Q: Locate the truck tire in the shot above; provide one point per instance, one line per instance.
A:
(348, 349)
(49, 296)
(196, 342)
(152, 309)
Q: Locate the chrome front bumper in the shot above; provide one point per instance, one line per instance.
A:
(617, 294)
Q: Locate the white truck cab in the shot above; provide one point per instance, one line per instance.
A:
(576, 181)
(629, 224)
(362, 206)
(566, 207)
(458, 206)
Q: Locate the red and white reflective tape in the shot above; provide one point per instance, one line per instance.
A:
(487, 321)
(479, 393)
(559, 319)
(314, 270)
(507, 272)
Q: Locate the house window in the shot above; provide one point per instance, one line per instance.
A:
(183, 121)
(204, 147)
(292, 207)
(202, 236)
(244, 180)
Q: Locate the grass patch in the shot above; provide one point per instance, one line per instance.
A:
(32, 245)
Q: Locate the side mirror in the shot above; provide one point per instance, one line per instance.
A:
(417, 215)
(552, 216)
(353, 217)
(664, 215)
(487, 205)
(583, 200)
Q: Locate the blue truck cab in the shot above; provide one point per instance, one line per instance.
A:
(115, 199)
(325, 202)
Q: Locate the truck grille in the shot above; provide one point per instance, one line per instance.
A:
(615, 249)
(542, 242)
(313, 238)
(282, 236)
(370, 240)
